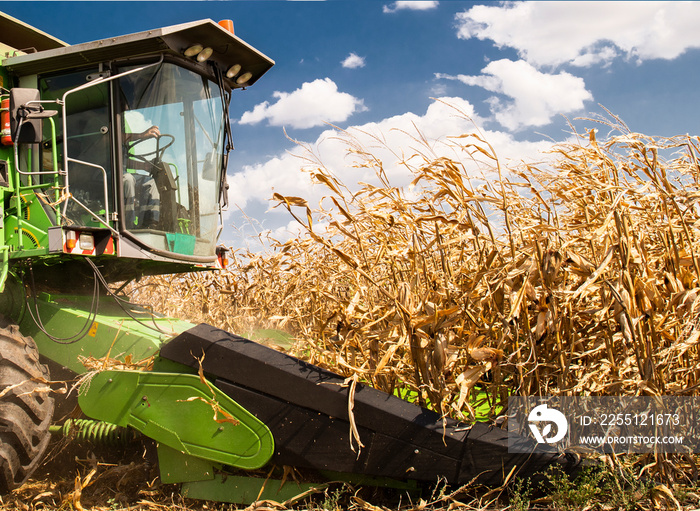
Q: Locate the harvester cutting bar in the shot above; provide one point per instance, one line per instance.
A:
(307, 410)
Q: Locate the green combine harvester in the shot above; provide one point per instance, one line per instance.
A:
(113, 160)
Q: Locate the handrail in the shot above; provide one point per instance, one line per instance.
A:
(56, 172)
(96, 81)
(92, 213)
(53, 137)
(104, 183)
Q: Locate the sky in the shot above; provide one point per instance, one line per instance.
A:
(387, 71)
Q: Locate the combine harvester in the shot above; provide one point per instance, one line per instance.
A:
(113, 165)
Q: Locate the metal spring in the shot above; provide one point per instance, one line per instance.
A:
(95, 432)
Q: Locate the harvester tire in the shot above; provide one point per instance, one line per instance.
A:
(26, 407)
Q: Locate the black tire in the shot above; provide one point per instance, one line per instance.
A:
(26, 407)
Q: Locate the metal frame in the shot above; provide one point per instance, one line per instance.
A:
(97, 81)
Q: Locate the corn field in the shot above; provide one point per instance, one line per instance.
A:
(575, 276)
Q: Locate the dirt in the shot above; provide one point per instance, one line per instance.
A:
(76, 476)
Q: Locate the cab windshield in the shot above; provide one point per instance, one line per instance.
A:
(172, 133)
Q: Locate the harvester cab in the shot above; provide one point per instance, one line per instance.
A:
(117, 149)
(113, 165)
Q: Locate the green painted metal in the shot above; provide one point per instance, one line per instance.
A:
(182, 411)
(26, 224)
(110, 332)
(246, 490)
(163, 365)
(205, 480)
(177, 467)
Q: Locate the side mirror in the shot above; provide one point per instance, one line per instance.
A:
(211, 166)
(26, 114)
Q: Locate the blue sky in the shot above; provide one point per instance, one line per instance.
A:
(519, 70)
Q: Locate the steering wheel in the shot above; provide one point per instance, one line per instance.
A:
(158, 151)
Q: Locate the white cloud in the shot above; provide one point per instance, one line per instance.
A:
(311, 105)
(535, 97)
(283, 232)
(390, 140)
(353, 61)
(416, 5)
(585, 33)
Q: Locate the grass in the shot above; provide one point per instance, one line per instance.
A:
(578, 275)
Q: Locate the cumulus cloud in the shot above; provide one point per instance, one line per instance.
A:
(313, 104)
(353, 61)
(392, 140)
(416, 5)
(534, 97)
(585, 33)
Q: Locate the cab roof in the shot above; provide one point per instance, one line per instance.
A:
(23, 37)
(228, 50)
